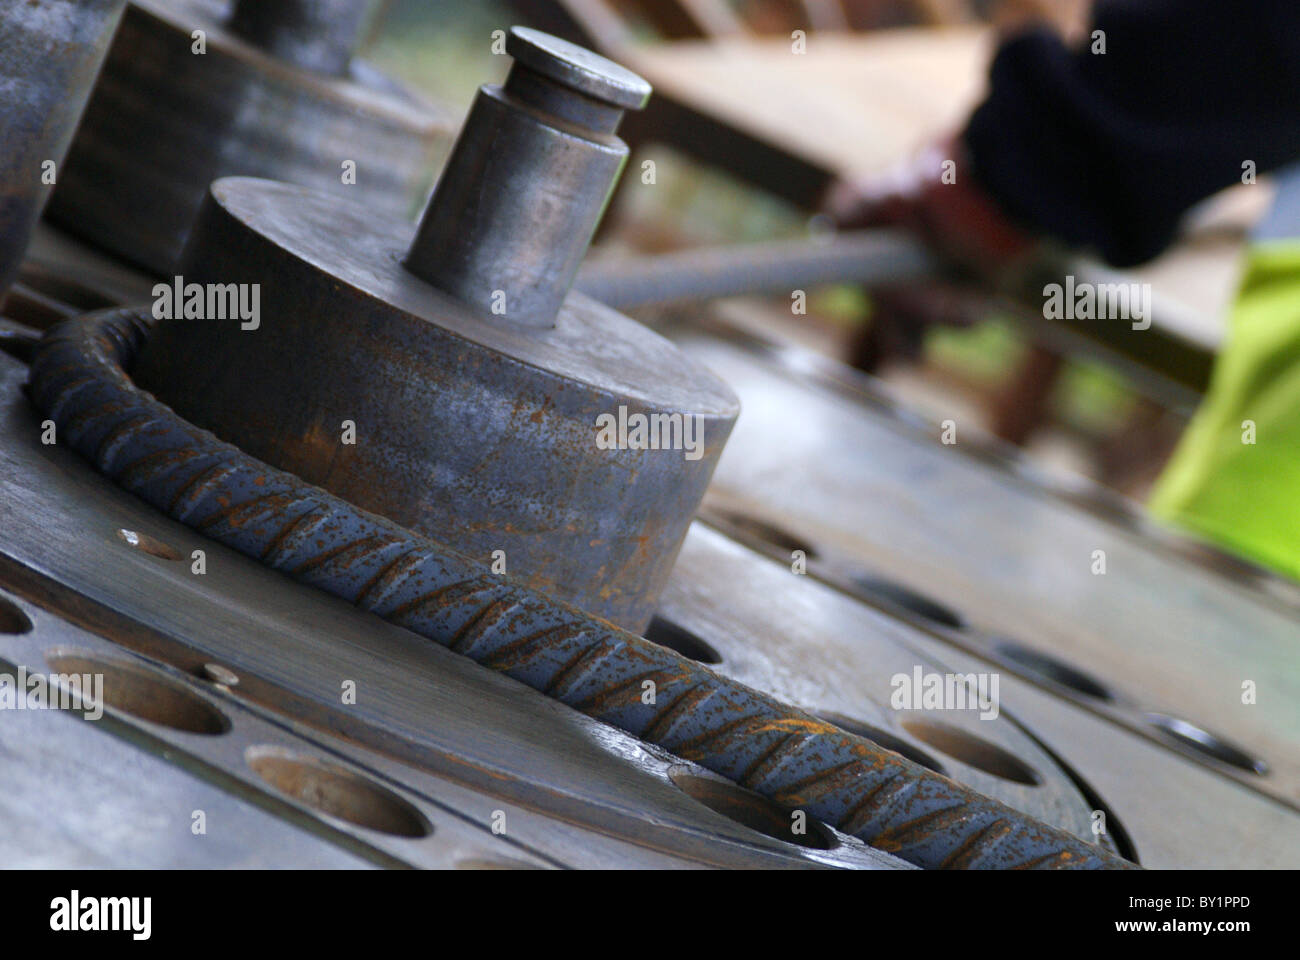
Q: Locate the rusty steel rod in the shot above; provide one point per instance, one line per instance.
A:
(78, 379)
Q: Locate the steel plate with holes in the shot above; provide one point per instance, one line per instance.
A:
(257, 668)
(817, 647)
(228, 689)
(427, 726)
(323, 801)
(995, 564)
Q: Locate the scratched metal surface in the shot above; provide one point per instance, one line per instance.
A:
(798, 761)
(797, 639)
(874, 495)
(937, 831)
(77, 797)
(791, 757)
(418, 705)
(396, 816)
(122, 791)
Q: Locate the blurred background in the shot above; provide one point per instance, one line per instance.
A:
(880, 79)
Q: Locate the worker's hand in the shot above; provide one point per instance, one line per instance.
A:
(932, 195)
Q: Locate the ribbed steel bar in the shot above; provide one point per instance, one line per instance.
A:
(800, 762)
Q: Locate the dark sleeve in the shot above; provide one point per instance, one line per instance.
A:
(1108, 151)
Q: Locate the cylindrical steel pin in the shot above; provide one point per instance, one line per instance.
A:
(528, 181)
(319, 35)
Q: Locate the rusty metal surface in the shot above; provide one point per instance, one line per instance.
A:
(971, 546)
(799, 762)
(348, 334)
(402, 815)
(526, 184)
(164, 122)
(59, 522)
(50, 52)
(770, 628)
(365, 810)
(725, 595)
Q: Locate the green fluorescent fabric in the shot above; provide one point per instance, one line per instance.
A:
(1245, 495)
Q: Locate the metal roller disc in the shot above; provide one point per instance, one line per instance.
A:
(491, 409)
(164, 122)
(469, 428)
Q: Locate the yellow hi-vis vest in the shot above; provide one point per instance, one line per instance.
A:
(1235, 477)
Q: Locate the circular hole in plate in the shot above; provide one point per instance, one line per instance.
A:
(146, 694)
(751, 529)
(670, 635)
(481, 863)
(1204, 742)
(752, 810)
(12, 619)
(147, 544)
(1049, 668)
(972, 750)
(873, 588)
(887, 740)
(338, 792)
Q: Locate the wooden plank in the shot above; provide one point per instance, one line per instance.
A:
(850, 104)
